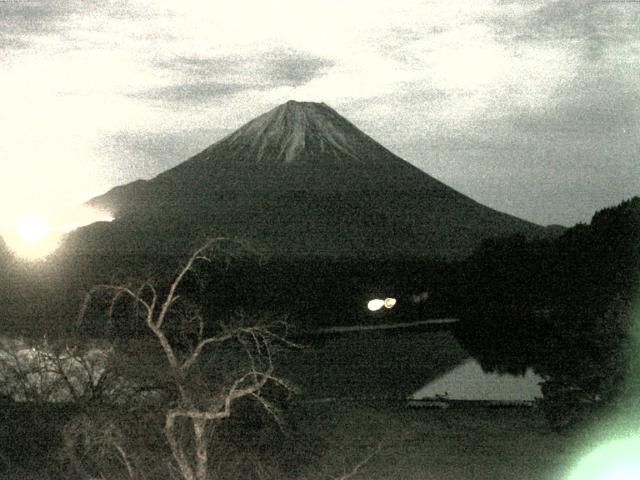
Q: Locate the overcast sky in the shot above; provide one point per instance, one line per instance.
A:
(532, 108)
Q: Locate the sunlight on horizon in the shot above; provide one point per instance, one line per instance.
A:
(616, 460)
(34, 236)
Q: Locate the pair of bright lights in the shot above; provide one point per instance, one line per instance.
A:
(377, 303)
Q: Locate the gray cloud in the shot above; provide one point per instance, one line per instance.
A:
(21, 21)
(209, 78)
(192, 93)
(605, 115)
(33, 17)
(203, 68)
(393, 44)
(591, 25)
(278, 67)
(12, 42)
(555, 165)
(292, 68)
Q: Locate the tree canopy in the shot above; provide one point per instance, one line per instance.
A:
(561, 306)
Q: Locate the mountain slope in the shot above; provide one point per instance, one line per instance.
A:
(300, 180)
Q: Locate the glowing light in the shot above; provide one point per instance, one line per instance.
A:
(33, 229)
(375, 304)
(617, 460)
(390, 302)
(34, 237)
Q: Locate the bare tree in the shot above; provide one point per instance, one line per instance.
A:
(197, 409)
(40, 371)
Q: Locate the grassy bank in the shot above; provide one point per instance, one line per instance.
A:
(474, 443)
(455, 444)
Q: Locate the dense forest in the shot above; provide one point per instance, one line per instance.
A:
(562, 306)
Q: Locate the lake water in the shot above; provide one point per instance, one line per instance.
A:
(395, 364)
(468, 381)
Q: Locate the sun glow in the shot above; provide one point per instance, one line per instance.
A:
(617, 460)
(32, 238)
(36, 236)
(33, 229)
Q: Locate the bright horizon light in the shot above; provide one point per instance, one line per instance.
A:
(33, 229)
(34, 236)
(617, 460)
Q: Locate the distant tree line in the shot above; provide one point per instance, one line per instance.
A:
(562, 306)
(315, 292)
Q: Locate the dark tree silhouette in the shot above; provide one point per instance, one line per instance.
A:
(560, 306)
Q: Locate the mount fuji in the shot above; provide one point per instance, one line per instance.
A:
(299, 180)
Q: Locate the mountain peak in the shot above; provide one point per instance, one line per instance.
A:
(294, 108)
(298, 104)
(300, 132)
(303, 180)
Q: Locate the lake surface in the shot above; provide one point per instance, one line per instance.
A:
(395, 364)
(468, 381)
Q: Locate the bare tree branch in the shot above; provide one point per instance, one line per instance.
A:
(171, 296)
(191, 407)
(360, 465)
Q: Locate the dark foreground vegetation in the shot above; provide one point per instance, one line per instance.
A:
(177, 377)
(177, 398)
(564, 307)
(398, 443)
